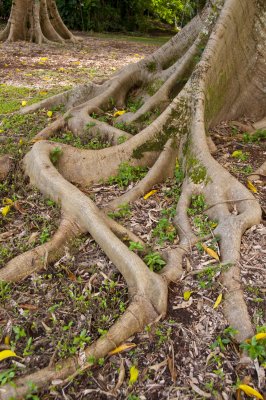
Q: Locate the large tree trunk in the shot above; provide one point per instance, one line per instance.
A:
(36, 21)
(193, 92)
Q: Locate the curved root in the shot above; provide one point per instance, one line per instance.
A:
(37, 259)
(162, 169)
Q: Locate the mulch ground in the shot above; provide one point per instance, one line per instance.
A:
(190, 354)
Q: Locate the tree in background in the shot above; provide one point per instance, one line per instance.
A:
(36, 21)
(185, 92)
(128, 15)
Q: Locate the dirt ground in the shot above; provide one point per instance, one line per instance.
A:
(191, 355)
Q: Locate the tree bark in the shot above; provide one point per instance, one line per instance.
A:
(36, 21)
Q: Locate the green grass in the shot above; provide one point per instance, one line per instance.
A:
(11, 97)
(139, 39)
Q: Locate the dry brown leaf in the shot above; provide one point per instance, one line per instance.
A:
(172, 369)
(199, 391)
(121, 377)
(28, 307)
(156, 367)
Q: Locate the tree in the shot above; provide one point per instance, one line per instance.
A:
(36, 21)
(186, 92)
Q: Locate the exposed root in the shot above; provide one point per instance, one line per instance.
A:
(162, 169)
(261, 171)
(5, 166)
(139, 314)
(37, 259)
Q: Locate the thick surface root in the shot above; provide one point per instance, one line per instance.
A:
(37, 259)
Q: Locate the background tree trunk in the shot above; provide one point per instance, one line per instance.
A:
(36, 21)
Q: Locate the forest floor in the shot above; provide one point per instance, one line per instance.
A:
(189, 355)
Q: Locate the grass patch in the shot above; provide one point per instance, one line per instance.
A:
(11, 97)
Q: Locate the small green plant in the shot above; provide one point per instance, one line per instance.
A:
(31, 392)
(256, 347)
(165, 231)
(28, 349)
(134, 105)
(121, 139)
(133, 397)
(163, 333)
(122, 212)
(151, 66)
(19, 332)
(224, 339)
(154, 261)
(5, 290)
(197, 205)
(7, 376)
(123, 126)
(207, 276)
(44, 236)
(255, 137)
(135, 246)
(55, 154)
(240, 155)
(127, 174)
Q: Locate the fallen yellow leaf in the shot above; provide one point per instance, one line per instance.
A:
(6, 354)
(134, 373)
(186, 295)
(218, 300)
(250, 391)
(123, 347)
(251, 187)
(49, 114)
(260, 336)
(7, 340)
(5, 210)
(211, 252)
(43, 93)
(23, 103)
(7, 201)
(43, 59)
(149, 194)
(117, 113)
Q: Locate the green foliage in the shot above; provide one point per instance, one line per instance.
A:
(164, 230)
(154, 261)
(122, 212)
(256, 348)
(7, 376)
(5, 290)
(134, 104)
(224, 339)
(55, 154)
(135, 246)
(256, 137)
(124, 15)
(240, 155)
(127, 174)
